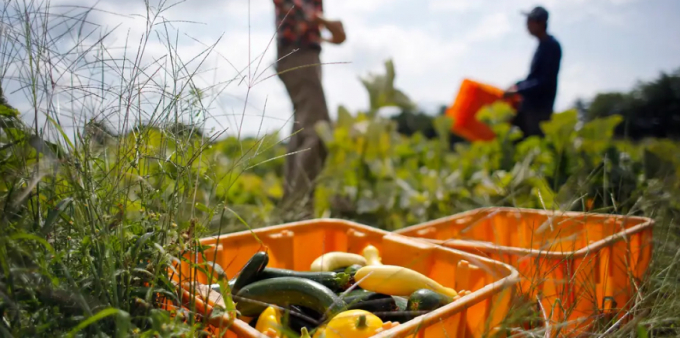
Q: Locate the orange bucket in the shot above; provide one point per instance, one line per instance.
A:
(472, 97)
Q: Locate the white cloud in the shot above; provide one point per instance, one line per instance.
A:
(622, 2)
(420, 60)
(360, 6)
(487, 42)
(493, 26)
(453, 5)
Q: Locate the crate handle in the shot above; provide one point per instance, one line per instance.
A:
(355, 233)
(426, 232)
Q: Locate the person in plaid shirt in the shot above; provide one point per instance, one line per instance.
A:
(299, 39)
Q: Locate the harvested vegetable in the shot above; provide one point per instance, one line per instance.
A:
(334, 260)
(326, 301)
(285, 291)
(301, 317)
(332, 280)
(320, 332)
(397, 281)
(370, 301)
(352, 323)
(250, 270)
(427, 300)
(270, 320)
(401, 302)
(372, 255)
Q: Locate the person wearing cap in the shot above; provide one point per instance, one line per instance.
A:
(299, 24)
(539, 89)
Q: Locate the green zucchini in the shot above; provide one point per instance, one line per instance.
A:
(286, 291)
(250, 270)
(299, 317)
(370, 301)
(427, 300)
(334, 281)
(355, 292)
(402, 303)
(399, 314)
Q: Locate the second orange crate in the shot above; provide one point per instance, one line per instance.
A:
(592, 263)
(294, 246)
(473, 96)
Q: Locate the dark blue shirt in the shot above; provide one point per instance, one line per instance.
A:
(540, 87)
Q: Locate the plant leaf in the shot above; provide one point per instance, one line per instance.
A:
(53, 215)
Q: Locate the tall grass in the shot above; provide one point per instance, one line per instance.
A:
(102, 173)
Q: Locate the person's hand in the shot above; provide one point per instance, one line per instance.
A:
(510, 92)
(336, 29)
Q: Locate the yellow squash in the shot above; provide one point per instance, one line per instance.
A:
(351, 323)
(334, 260)
(320, 332)
(269, 322)
(372, 255)
(305, 333)
(397, 281)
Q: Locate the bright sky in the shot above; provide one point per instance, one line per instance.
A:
(607, 45)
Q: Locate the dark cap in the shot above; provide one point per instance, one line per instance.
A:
(537, 14)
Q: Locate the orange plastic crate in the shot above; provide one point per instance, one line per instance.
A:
(296, 245)
(592, 263)
(473, 96)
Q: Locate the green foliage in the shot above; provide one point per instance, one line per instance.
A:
(409, 123)
(381, 91)
(90, 238)
(8, 112)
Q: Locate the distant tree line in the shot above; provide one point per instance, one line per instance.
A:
(411, 121)
(651, 109)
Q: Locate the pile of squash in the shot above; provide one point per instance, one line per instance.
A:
(342, 295)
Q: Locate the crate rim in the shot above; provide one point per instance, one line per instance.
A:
(646, 223)
(287, 226)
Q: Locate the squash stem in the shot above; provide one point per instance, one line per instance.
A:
(361, 323)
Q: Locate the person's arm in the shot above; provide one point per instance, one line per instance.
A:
(336, 29)
(309, 12)
(548, 64)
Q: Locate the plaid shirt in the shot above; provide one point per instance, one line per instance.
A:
(297, 30)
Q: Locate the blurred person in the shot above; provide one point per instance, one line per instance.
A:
(539, 89)
(299, 39)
